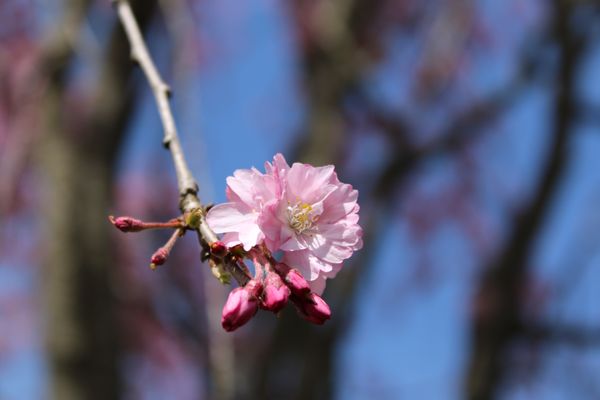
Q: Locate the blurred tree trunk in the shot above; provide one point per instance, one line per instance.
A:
(500, 299)
(76, 158)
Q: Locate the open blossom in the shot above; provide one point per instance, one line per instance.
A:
(303, 211)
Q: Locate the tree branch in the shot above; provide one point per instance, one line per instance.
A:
(188, 188)
(162, 92)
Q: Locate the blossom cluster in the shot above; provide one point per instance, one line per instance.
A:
(300, 212)
(303, 212)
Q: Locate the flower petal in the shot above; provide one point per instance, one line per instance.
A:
(294, 243)
(328, 250)
(251, 187)
(227, 217)
(299, 260)
(341, 233)
(231, 239)
(339, 203)
(306, 183)
(250, 236)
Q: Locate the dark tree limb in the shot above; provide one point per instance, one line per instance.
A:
(497, 322)
(562, 334)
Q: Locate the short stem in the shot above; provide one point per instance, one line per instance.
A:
(264, 252)
(160, 256)
(241, 267)
(171, 242)
(162, 225)
(259, 270)
(263, 260)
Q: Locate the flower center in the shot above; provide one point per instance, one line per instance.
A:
(299, 217)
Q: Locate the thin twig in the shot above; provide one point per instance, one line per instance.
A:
(139, 53)
(188, 188)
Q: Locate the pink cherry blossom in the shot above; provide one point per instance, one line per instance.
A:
(303, 211)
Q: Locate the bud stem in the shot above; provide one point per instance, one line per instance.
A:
(128, 224)
(260, 264)
(174, 223)
(160, 256)
(243, 267)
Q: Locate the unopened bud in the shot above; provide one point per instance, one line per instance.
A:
(293, 279)
(159, 257)
(275, 294)
(127, 224)
(241, 305)
(218, 249)
(254, 287)
(313, 308)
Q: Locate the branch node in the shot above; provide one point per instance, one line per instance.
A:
(133, 56)
(168, 91)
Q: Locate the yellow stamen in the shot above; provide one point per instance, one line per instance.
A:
(299, 217)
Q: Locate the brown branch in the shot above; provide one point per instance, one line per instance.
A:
(188, 188)
(139, 53)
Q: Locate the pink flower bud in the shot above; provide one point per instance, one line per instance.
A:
(276, 293)
(313, 308)
(254, 287)
(218, 249)
(127, 224)
(241, 305)
(293, 279)
(159, 257)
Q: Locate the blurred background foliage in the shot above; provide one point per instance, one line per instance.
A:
(469, 127)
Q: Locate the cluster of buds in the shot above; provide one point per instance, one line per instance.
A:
(273, 286)
(302, 213)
